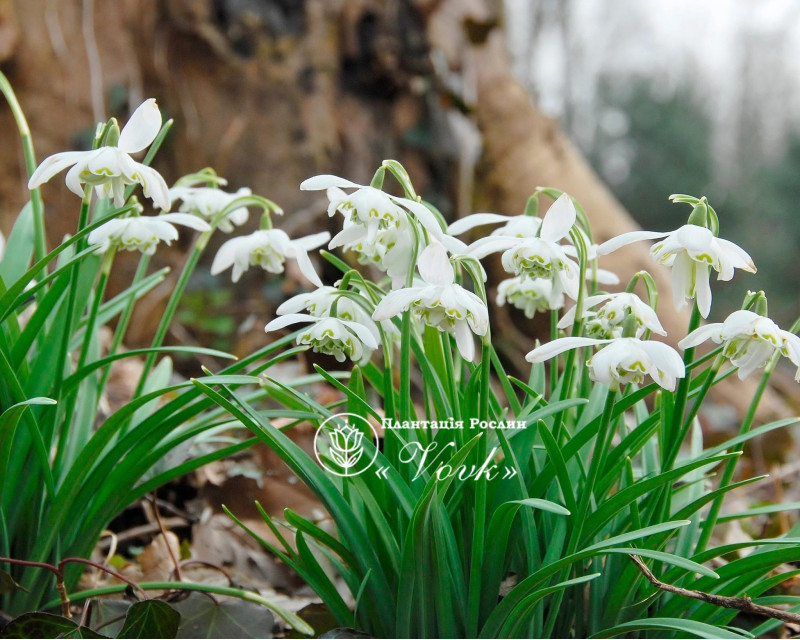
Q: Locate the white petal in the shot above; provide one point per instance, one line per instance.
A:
(664, 357)
(560, 345)
(703, 289)
(313, 241)
(603, 276)
(475, 220)
(141, 129)
(226, 255)
(434, 265)
(464, 341)
(291, 318)
(54, 164)
(735, 256)
(361, 332)
(559, 219)
(627, 238)
(326, 181)
(185, 219)
(306, 268)
(424, 215)
(701, 334)
(154, 186)
(491, 244)
(395, 302)
(73, 179)
(682, 273)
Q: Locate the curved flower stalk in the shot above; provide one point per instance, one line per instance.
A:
(208, 202)
(142, 233)
(608, 320)
(540, 256)
(749, 340)
(439, 302)
(110, 169)
(622, 360)
(340, 338)
(268, 248)
(692, 251)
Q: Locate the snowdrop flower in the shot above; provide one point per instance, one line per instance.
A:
(607, 322)
(749, 341)
(208, 202)
(540, 256)
(439, 302)
(622, 360)
(142, 233)
(523, 226)
(319, 303)
(269, 249)
(111, 169)
(334, 336)
(692, 251)
(530, 294)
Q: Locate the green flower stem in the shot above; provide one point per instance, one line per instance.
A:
(711, 376)
(602, 443)
(172, 306)
(39, 235)
(681, 395)
(730, 466)
(125, 318)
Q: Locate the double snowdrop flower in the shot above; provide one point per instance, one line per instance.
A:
(378, 227)
(540, 256)
(110, 169)
(340, 338)
(208, 202)
(268, 248)
(530, 294)
(749, 341)
(692, 251)
(439, 302)
(608, 320)
(142, 233)
(621, 360)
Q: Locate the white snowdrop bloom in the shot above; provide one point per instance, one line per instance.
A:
(142, 233)
(111, 169)
(439, 302)
(268, 248)
(334, 336)
(320, 303)
(208, 202)
(692, 251)
(607, 321)
(515, 226)
(749, 340)
(530, 294)
(622, 360)
(540, 256)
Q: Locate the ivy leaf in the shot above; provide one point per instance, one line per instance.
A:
(45, 625)
(150, 619)
(201, 617)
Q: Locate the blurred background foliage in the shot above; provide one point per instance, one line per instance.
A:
(698, 98)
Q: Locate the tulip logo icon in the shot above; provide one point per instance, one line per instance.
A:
(340, 444)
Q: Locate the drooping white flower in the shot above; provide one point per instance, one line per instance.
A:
(110, 169)
(142, 233)
(268, 248)
(607, 321)
(622, 360)
(523, 226)
(208, 202)
(320, 303)
(749, 340)
(334, 336)
(540, 256)
(530, 294)
(692, 251)
(439, 302)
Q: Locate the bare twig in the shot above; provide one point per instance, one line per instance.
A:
(163, 531)
(744, 604)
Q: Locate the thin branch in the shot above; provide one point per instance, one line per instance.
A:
(744, 604)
